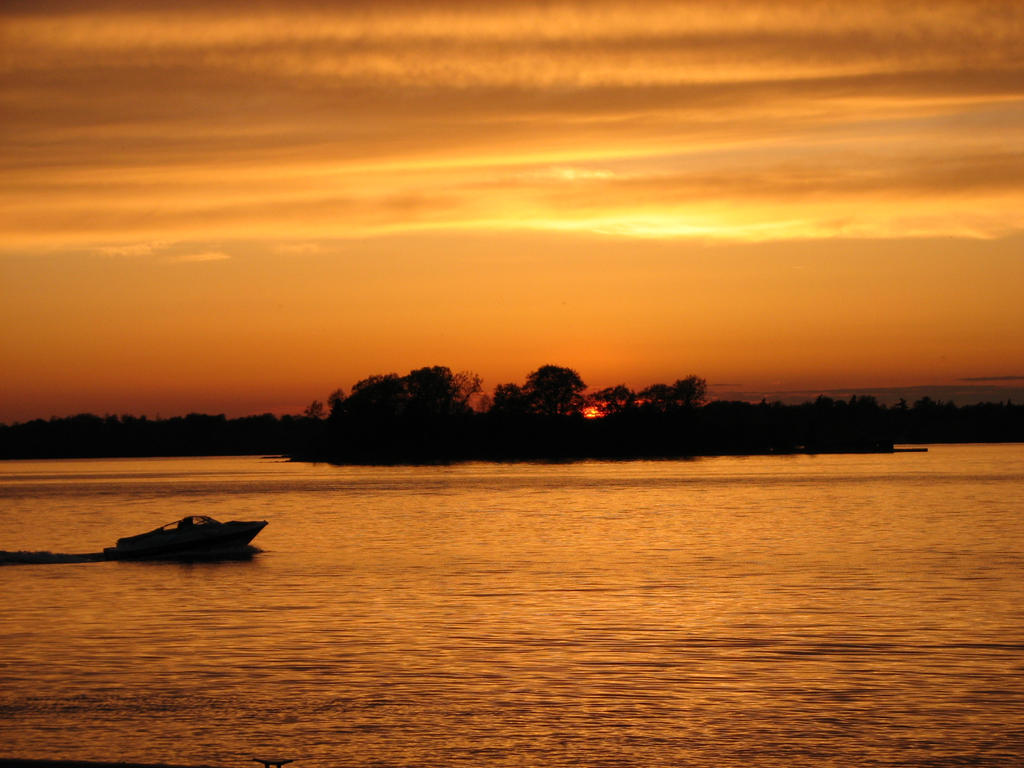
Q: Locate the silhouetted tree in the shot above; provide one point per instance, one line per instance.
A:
(379, 397)
(691, 391)
(657, 397)
(468, 385)
(335, 403)
(611, 401)
(436, 392)
(509, 400)
(432, 393)
(554, 391)
(685, 393)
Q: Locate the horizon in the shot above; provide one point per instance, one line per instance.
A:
(212, 213)
(959, 394)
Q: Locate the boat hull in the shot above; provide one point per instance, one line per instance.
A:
(224, 539)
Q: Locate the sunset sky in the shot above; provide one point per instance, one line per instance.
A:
(237, 208)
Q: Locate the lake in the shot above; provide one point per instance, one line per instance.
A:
(843, 610)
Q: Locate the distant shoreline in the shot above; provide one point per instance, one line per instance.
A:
(405, 436)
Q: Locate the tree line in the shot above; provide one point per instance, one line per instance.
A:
(433, 414)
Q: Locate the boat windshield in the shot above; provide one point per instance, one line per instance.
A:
(189, 522)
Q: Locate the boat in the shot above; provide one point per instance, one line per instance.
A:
(192, 536)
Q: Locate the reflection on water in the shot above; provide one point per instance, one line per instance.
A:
(48, 558)
(772, 611)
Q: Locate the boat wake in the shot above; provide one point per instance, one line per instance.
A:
(55, 558)
(43, 558)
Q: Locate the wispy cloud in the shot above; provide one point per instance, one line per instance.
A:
(133, 250)
(192, 258)
(993, 378)
(733, 120)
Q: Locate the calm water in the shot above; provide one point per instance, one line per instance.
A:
(773, 611)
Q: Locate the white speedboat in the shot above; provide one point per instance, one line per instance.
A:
(192, 536)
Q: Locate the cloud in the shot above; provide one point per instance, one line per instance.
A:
(191, 258)
(133, 250)
(993, 378)
(762, 120)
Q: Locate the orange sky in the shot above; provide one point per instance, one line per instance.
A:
(228, 211)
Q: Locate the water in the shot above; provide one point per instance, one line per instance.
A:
(767, 611)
